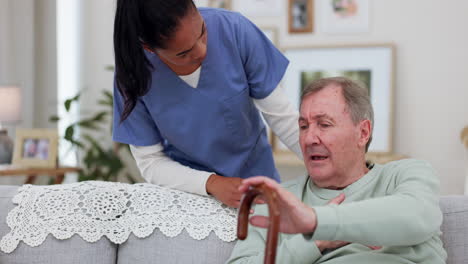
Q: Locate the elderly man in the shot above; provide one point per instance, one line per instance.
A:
(348, 211)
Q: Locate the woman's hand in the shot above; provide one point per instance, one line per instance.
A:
(225, 189)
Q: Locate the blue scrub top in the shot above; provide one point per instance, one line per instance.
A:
(214, 127)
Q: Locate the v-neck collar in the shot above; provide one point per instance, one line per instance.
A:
(165, 70)
(348, 191)
(193, 78)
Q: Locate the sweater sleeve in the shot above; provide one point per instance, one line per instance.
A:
(291, 248)
(157, 168)
(408, 215)
(281, 116)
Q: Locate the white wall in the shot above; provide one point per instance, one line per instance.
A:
(17, 59)
(4, 44)
(97, 24)
(17, 51)
(46, 63)
(431, 90)
(97, 18)
(97, 48)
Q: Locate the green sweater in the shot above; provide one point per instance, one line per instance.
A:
(394, 206)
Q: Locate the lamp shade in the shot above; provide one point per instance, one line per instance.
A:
(10, 104)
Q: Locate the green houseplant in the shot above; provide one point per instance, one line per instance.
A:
(98, 160)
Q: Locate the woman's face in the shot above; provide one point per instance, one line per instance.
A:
(188, 45)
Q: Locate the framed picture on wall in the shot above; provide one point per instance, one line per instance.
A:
(301, 16)
(344, 16)
(36, 148)
(371, 65)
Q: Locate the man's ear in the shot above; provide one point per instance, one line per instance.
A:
(364, 132)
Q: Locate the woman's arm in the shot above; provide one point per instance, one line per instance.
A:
(281, 116)
(157, 168)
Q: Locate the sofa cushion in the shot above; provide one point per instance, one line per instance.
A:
(158, 248)
(52, 250)
(455, 228)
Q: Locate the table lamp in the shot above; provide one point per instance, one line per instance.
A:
(10, 112)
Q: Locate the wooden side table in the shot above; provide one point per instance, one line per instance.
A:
(32, 173)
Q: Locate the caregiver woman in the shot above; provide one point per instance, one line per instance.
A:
(189, 86)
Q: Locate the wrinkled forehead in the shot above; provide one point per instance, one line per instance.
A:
(328, 96)
(328, 101)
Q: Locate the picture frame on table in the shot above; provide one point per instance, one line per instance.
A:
(370, 64)
(344, 16)
(36, 148)
(300, 16)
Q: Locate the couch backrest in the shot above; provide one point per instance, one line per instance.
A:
(455, 228)
(454, 235)
(53, 251)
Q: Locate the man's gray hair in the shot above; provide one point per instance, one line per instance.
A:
(356, 96)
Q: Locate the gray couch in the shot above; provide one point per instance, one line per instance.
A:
(158, 248)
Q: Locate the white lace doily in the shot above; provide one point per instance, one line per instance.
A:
(94, 209)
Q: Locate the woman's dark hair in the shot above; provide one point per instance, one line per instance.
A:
(138, 22)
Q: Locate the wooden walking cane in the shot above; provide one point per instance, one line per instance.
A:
(274, 220)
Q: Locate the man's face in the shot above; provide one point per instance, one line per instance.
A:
(331, 144)
(188, 45)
